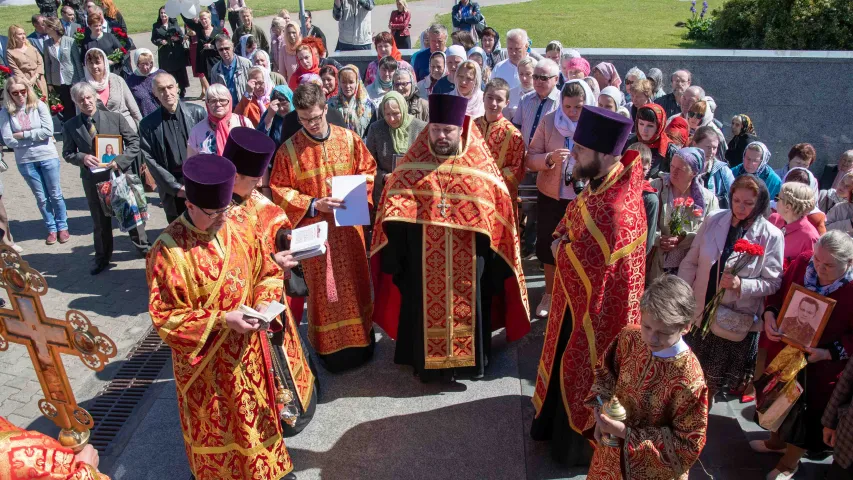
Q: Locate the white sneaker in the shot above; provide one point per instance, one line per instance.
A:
(777, 474)
(544, 306)
(17, 248)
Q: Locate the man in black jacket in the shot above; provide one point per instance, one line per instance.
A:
(163, 140)
(78, 149)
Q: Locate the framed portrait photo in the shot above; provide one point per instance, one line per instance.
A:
(803, 316)
(107, 148)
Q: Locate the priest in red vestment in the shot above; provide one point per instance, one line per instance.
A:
(340, 302)
(445, 254)
(600, 252)
(202, 268)
(654, 375)
(251, 151)
(30, 455)
(502, 138)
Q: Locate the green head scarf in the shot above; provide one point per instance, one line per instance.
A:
(399, 135)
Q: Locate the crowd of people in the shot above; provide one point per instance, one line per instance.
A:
(641, 211)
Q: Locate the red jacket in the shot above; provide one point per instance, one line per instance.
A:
(399, 23)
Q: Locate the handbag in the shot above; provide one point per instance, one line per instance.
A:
(731, 324)
(793, 428)
(105, 192)
(147, 179)
(124, 204)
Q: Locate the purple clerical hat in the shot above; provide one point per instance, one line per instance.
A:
(601, 130)
(250, 150)
(209, 181)
(447, 109)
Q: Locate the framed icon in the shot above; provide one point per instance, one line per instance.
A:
(803, 317)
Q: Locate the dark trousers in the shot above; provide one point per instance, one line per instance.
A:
(403, 42)
(234, 20)
(69, 109)
(837, 472)
(346, 47)
(103, 227)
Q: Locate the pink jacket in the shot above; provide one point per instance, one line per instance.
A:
(800, 236)
(546, 140)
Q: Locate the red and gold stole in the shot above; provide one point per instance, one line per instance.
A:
(454, 198)
(600, 277)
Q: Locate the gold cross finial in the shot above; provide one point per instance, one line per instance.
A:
(46, 338)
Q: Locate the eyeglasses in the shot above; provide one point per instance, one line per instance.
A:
(402, 84)
(215, 213)
(224, 49)
(629, 82)
(218, 101)
(312, 120)
(19, 93)
(694, 115)
(543, 78)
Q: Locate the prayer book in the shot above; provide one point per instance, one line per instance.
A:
(309, 241)
(273, 310)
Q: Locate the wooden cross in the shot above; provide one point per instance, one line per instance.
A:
(46, 338)
(443, 206)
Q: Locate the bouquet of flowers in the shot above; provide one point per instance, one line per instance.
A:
(747, 251)
(54, 103)
(5, 72)
(117, 57)
(121, 36)
(682, 215)
(79, 36)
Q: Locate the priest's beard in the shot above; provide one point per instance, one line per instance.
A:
(444, 147)
(592, 170)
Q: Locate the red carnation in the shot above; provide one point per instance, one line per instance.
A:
(225, 31)
(5, 70)
(80, 30)
(756, 250)
(742, 246)
(116, 29)
(123, 50)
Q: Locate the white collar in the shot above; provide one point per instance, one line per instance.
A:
(680, 346)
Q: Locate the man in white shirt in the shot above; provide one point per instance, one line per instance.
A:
(517, 44)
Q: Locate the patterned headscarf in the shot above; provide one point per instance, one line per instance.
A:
(579, 63)
(765, 157)
(695, 159)
(353, 107)
(746, 125)
(610, 73)
(660, 141)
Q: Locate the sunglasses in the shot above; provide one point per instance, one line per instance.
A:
(543, 78)
(694, 115)
(223, 49)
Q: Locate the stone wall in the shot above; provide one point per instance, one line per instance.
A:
(791, 96)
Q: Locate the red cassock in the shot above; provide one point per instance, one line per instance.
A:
(451, 202)
(600, 278)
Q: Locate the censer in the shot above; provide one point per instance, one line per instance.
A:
(615, 411)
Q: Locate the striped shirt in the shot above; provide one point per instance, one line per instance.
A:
(529, 115)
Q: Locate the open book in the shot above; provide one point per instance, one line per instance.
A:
(273, 310)
(310, 241)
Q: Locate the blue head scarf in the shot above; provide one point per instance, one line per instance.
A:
(284, 90)
(695, 159)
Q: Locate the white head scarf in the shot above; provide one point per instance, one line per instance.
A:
(564, 124)
(138, 53)
(615, 94)
(476, 108)
(104, 83)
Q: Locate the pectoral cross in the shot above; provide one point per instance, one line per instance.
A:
(443, 206)
(46, 338)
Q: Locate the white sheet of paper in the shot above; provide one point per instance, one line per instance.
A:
(352, 189)
(97, 169)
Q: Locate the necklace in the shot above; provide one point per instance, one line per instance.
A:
(443, 206)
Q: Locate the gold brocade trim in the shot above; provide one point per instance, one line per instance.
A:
(455, 196)
(504, 147)
(336, 325)
(444, 168)
(592, 228)
(327, 164)
(587, 321)
(232, 447)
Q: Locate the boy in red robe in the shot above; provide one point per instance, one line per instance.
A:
(664, 431)
(504, 140)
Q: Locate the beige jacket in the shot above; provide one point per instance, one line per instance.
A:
(760, 278)
(546, 140)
